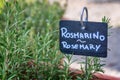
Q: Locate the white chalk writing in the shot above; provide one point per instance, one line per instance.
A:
(66, 34)
(81, 46)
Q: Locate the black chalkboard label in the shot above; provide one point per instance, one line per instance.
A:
(89, 42)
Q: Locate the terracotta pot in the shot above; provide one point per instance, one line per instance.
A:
(96, 76)
(104, 77)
